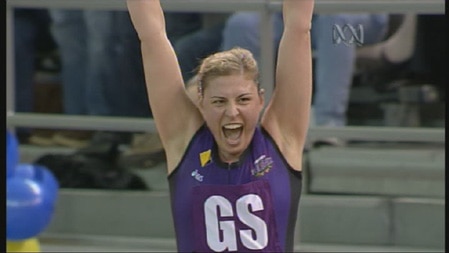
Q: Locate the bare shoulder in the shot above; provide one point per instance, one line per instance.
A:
(290, 144)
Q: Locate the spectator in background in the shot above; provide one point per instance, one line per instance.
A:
(96, 49)
(430, 54)
(203, 41)
(334, 66)
(32, 39)
(414, 54)
(385, 61)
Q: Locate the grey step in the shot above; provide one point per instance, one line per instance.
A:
(419, 222)
(344, 220)
(383, 221)
(364, 169)
(326, 247)
(322, 219)
(378, 170)
(113, 213)
(99, 243)
(80, 243)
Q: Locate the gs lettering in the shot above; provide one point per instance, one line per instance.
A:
(221, 231)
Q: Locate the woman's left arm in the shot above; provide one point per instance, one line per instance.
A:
(286, 117)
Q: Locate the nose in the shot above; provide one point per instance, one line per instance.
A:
(231, 110)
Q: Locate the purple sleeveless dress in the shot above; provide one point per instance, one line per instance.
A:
(247, 206)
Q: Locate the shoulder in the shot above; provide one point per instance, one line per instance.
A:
(200, 141)
(285, 144)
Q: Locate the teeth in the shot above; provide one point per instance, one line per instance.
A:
(232, 126)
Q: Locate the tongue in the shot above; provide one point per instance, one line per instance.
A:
(232, 134)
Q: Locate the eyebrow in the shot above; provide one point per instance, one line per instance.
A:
(217, 97)
(245, 94)
(241, 95)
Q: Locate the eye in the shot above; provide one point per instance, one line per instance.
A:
(218, 102)
(244, 100)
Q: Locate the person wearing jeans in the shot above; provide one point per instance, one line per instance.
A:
(193, 47)
(100, 67)
(334, 65)
(32, 40)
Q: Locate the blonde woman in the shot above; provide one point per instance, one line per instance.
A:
(234, 173)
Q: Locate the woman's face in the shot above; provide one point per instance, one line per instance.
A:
(231, 106)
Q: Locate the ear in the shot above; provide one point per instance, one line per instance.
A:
(262, 96)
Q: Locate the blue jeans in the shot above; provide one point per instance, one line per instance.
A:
(180, 24)
(242, 30)
(334, 65)
(191, 48)
(101, 64)
(334, 62)
(29, 24)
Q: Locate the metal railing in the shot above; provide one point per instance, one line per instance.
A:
(406, 134)
(321, 6)
(266, 8)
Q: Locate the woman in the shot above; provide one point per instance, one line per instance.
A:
(235, 179)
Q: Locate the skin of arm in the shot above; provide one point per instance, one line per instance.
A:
(192, 90)
(176, 117)
(293, 91)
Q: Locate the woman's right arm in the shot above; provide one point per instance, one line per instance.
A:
(175, 115)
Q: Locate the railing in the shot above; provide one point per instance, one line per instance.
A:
(147, 125)
(321, 6)
(266, 8)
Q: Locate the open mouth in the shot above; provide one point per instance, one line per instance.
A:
(232, 131)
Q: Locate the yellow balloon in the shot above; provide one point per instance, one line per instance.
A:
(28, 245)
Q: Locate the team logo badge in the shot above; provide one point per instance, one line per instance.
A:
(262, 165)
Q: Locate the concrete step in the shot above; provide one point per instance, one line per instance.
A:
(349, 202)
(381, 170)
(322, 218)
(395, 170)
(363, 220)
(97, 243)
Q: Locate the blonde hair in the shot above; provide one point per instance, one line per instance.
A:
(226, 63)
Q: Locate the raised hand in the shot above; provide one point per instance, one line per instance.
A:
(147, 17)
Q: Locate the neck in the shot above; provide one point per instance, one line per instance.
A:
(229, 158)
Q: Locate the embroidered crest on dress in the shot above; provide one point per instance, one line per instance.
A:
(262, 165)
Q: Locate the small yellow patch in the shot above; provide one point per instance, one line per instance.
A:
(205, 157)
(27, 245)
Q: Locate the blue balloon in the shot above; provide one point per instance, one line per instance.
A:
(12, 153)
(27, 214)
(41, 175)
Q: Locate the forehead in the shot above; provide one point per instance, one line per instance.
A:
(230, 85)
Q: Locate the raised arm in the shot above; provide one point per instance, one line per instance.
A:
(287, 115)
(175, 115)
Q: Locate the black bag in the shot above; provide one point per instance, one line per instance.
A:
(92, 169)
